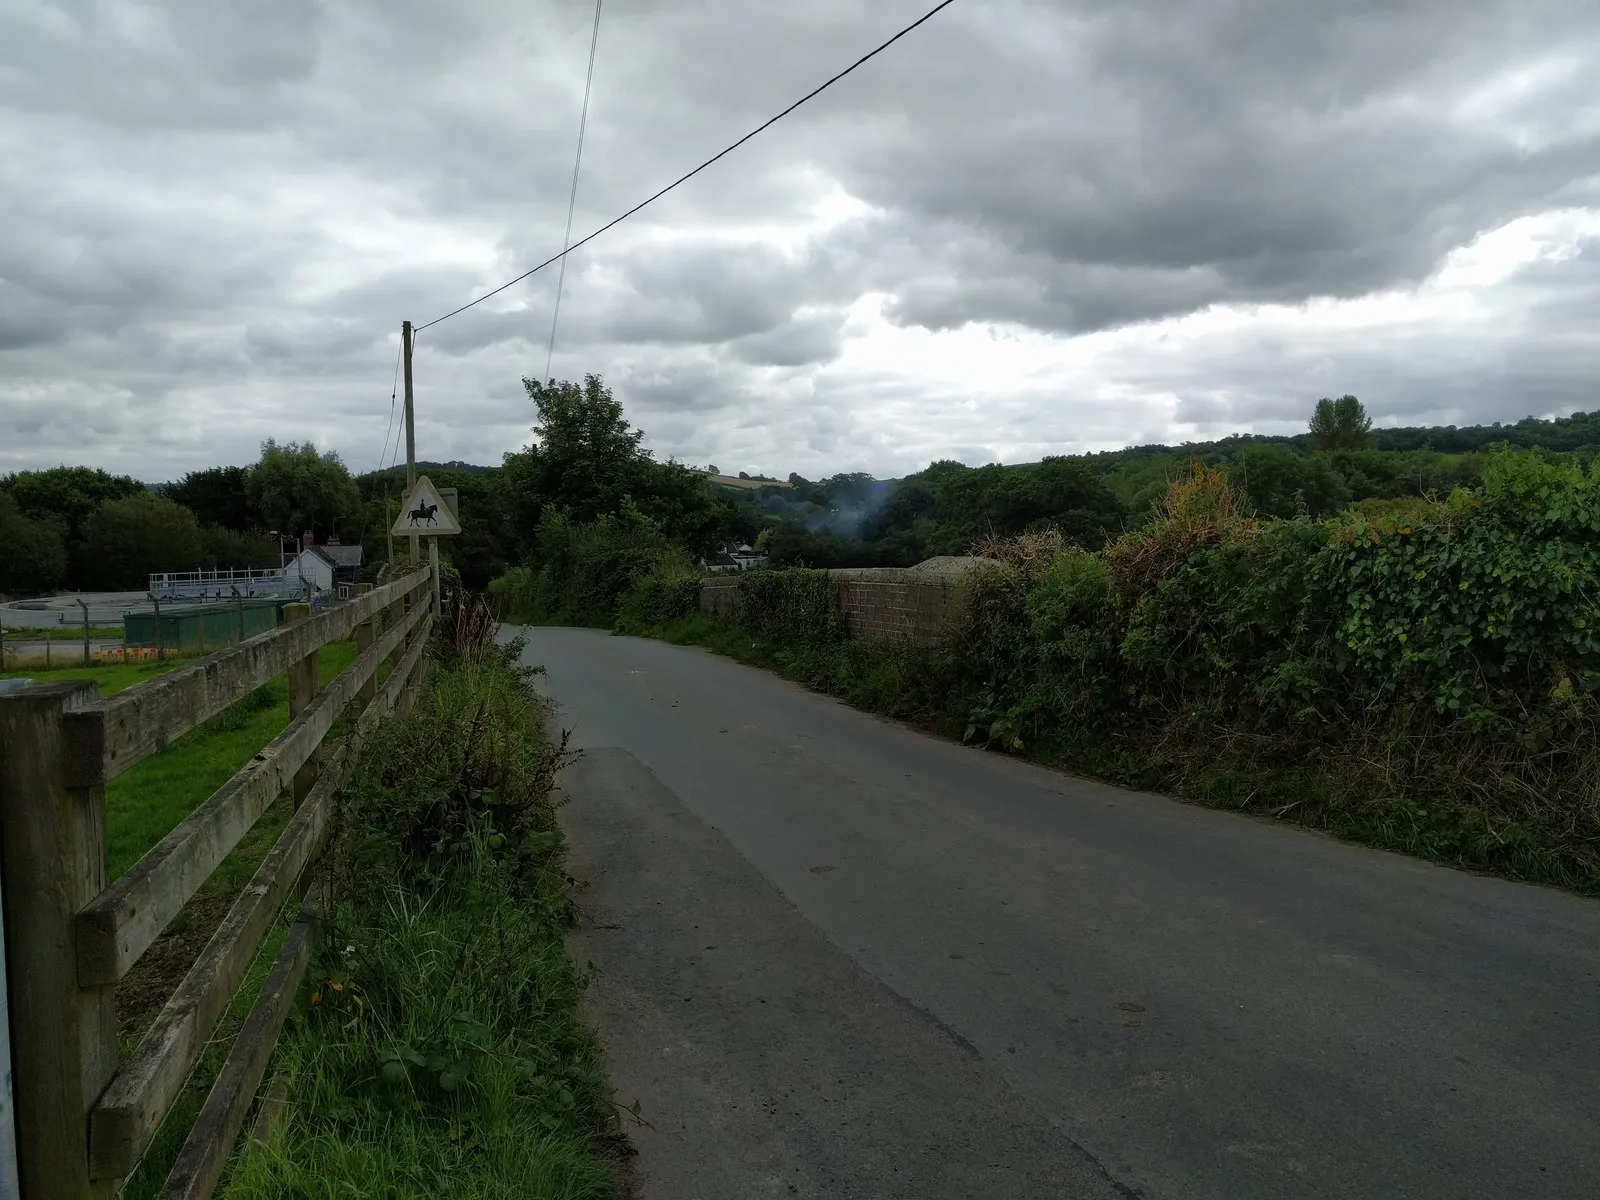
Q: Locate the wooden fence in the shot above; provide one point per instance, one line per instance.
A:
(84, 1118)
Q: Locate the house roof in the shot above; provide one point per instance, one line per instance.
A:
(342, 556)
(336, 556)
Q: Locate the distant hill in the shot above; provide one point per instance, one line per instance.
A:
(734, 481)
(423, 468)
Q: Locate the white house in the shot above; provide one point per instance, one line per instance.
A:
(323, 568)
(312, 567)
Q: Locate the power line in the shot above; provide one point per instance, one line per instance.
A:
(393, 391)
(871, 54)
(572, 201)
(395, 457)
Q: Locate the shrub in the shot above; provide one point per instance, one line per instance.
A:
(1418, 673)
(583, 572)
(790, 605)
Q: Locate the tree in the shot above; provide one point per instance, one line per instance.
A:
(586, 462)
(67, 494)
(584, 458)
(1340, 424)
(295, 488)
(1281, 483)
(217, 496)
(34, 554)
(126, 541)
(222, 548)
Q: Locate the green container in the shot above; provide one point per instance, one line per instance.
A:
(201, 627)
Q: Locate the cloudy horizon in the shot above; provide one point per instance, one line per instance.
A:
(1028, 228)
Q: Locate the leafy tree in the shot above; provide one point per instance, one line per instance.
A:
(1280, 483)
(1340, 424)
(586, 459)
(126, 541)
(222, 548)
(67, 494)
(295, 487)
(585, 455)
(35, 552)
(217, 496)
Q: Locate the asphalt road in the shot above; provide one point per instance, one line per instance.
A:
(839, 958)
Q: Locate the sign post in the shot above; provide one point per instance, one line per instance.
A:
(424, 511)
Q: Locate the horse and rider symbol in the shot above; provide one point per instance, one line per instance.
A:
(425, 509)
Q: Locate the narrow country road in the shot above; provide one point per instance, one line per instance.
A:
(839, 958)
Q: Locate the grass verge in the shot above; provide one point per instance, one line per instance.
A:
(143, 804)
(60, 633)
(1362, 788)
(439, 1048)
(112, 677)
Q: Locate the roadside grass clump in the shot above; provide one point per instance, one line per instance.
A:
(438, 1049)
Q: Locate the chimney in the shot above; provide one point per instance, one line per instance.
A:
(306, 540)
(333, 539)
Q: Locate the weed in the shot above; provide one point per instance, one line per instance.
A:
(439, 1050)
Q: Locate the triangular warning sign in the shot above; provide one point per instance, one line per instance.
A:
(423, 511)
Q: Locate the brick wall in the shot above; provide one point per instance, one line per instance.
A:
(719, 596)
(882, 602)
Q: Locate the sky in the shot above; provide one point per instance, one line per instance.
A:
(1031, 227)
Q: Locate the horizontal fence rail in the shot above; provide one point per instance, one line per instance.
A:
(84, 1119)
(109, 737)
(125, 1119)
(117, 928)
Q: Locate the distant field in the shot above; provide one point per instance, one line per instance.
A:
(752, 484)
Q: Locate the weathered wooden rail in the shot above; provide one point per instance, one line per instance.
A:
(84, 1115)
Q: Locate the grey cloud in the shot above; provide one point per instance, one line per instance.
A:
(1283, 153)
(812, 338)
(218, 214)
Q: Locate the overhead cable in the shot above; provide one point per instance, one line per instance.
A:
(572, 200)
(682, 179)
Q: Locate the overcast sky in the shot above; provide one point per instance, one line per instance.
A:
(1028, 228)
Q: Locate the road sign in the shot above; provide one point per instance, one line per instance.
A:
(424, 512)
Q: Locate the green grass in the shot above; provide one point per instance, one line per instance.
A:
(438, 1049)
(112, 677)
(144, 803)
(147, 1179)
(60, 633)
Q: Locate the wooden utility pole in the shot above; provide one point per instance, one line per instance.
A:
(411, 429)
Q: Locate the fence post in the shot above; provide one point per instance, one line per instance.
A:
(365, 632)
(402, 700)
(302, 691)
(53, 842)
